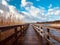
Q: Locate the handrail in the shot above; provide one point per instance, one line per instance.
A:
(3, 28)
(46, 34)
(23, 28)
(49, 27)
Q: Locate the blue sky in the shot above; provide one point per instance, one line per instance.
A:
(36, 3)
(37, 10)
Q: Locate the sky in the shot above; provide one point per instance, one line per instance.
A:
(34, 10)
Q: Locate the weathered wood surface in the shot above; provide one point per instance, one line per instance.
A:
(11, 33)
(23, 36)
(30, 38)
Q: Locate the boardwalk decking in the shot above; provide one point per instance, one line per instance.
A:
(27, 37)
(30, 38)
(34, 35)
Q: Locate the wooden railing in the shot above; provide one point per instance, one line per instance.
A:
(46, 34)
(8, 33)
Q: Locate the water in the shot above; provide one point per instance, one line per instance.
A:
(57, 34)
(53, 32)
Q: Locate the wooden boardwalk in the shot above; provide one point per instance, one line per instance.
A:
(27, 37)
(34, 35)
(30, 38)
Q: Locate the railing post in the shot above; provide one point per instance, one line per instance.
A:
(41, 27)
(16, 36)
(0, 35)
(48, 31)
(21, 29)
(15, 32)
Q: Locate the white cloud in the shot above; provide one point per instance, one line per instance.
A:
(53, 11)
(4, 2)
(27, 16)
(1, 11)
(40, 13)
(6, 7)
(34, 12)
(25, 3)
(50, 6)
(57, 12)
(12, 9)
(9, 12)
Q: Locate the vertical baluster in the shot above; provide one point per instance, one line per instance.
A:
(15, 33)
(0, 35)
(48, 32)
(48, 36)
(21, 29)
(16, 36)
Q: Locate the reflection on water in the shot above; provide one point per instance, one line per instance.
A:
(56, 33)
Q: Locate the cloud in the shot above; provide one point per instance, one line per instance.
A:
(50, 6)
(12, 9)
(31, 12)
(8, 11)
(53, 11)
(6, 7)
(4, 2)
(25, 3)
(57, 12)
(34, 12)
(1, 11)
(40, 13)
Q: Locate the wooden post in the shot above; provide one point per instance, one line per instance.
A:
(48, 36)
(41, 27)
(21, 29)
(15, 32)
(16, 36)
(0, 35)
(48, 32)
